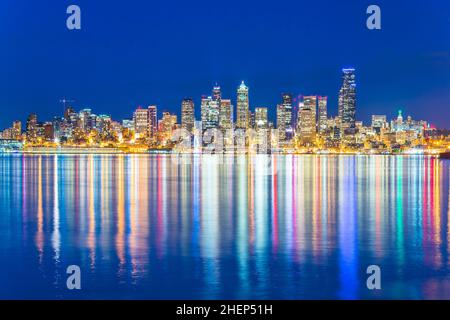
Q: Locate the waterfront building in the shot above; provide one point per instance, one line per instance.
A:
(152, 121)
(187, 114)
(307, 121)
(32, 130)
(281, 123)
(323, 116)
(210, 113)
(287, 110)
(85, 119)
(243, 121)
(347, 102)
(226, 114)
(379, 122)
(166, 127)
(261, 119)
(141, 122)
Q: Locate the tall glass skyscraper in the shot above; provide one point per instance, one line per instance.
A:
(347, 101)
(287, 109)
(322, 119)
(281, 123)
(152, 121)
(307, 120)
(187, 114)
(243, 120)
(226, 114)
(210, 113)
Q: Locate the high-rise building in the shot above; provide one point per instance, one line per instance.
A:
(287, 107)
(84, 120)
(379, 122)
(210, 113)
(347, 102)
(310, 103)
(307, 121)
(32, 128)
(242, 121)
(49, 133)
(187, 114)
(261, 119)
(141, 122)
(323, 116)
(166, 127)
(281, 123)
(17, 130)
(152, 121)
(226, 114)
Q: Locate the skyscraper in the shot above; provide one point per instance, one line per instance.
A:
(210, 113)
(281, 123)
(32, 128)
(141, 122)
(152, 121)
(166, 127)
(347, 102)
(379, 122)
(287, 107)
(84, 119)
(226, 114)
(187, 114)
(307, 121)
(17, 130)
(243, 120)
(261, 120)
(323, 117)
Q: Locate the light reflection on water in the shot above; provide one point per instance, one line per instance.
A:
(205, 227)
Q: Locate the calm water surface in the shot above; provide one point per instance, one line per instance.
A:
(207, 227)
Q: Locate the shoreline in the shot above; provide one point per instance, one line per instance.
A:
(118, 151)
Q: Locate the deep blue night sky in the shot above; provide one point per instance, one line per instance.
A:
(132, 53)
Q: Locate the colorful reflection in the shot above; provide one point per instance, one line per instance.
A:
(226, 227)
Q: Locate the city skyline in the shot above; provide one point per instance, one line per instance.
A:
(345, 109)
(302, 125)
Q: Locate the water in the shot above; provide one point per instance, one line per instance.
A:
(206, 227)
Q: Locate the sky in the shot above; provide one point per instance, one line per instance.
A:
(131, 53)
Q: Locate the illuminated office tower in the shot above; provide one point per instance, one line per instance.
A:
(217, 94)
(242, 121)
(310, 103)
(84, 122)
(166, 127)
(226, 114)
(187, 114)
(287, 107)
(48, 131)
(152, 121)
(378, 122)
(281, 123)
(16, 130)
(210, 113)
(347, 101)
(32, 128)
(141, 122)
(261, 120)
(307, 121)
(263, 136)
(323, 117)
